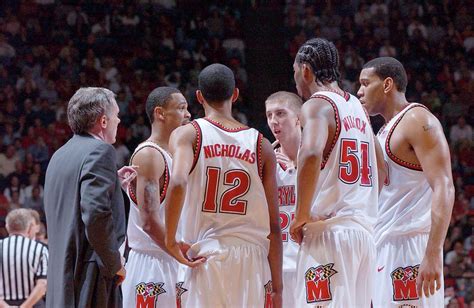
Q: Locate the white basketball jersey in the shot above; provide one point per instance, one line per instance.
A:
(225, 197)
(347, 185)
(286, 182)
(405, 200)
(138, 239)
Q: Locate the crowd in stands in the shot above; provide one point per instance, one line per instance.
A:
(435, 42)
(47, 51)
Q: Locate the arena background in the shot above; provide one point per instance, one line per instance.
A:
(48, 49)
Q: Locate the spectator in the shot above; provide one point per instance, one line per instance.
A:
(8, 160)
(461, 131)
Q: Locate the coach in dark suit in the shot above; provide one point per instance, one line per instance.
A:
(84, 207)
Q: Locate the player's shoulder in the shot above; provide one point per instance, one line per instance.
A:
(418, 116)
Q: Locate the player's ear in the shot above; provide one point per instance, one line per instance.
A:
(307, 73)
(388, 85)
(158, 113)
(200, 97)
(235, 95)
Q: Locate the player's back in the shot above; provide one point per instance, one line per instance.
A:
(347, 186)
(405, 200)
(225, 198)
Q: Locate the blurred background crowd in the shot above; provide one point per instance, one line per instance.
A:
(50, 48)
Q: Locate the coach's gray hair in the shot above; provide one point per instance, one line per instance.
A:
(86, 106)
(19, 220)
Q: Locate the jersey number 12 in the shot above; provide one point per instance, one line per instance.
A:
(229, 200)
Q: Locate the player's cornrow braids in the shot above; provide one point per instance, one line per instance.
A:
(323, 58)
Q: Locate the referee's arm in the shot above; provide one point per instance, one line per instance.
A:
(40, 282)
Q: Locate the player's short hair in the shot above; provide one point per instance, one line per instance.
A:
(216, 83)
(294, 101)
(159, 97)
(19, 220)
(389, 67)
(323, 58)
(86, 106)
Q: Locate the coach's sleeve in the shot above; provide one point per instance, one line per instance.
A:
(98, 178)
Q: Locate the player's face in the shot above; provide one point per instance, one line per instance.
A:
(282, 119)
(301, 86)
(371, 93)
(176, 111)
(112, 122)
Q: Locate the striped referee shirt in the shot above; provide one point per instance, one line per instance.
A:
(22, 262)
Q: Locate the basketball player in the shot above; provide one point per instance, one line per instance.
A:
(152, 272)
(416, 202)
(337, 186)
(226, 181)
(282, 111)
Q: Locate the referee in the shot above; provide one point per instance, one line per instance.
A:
(23, 262)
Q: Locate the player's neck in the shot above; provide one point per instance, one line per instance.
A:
(160, 137)
(331, 87)
(395, 104)
(222, 115)
(290, 146)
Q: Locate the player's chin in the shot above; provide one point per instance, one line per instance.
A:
(187, 121)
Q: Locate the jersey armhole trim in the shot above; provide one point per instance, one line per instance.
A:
(132, 191)
(338, 127)
(259, 155)
(197, 148)
(392, 156)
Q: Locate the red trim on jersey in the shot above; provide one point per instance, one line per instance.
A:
(132, 191)
(197, 149)
(395, 159)
(259, 155)
(346, 96)
(227, 129)
(338, 126)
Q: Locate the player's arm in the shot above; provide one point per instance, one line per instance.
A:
(315, 119)
(425, 134)
(151, 168)
(381, 172)
(275, 255)
(181, 146)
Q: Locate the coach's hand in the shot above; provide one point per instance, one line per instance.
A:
(126, 175)
(430, 273)
(178, 251)
(121, 275)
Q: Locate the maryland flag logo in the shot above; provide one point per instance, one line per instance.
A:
(404, 283)
(268, 294)
(147, 294)
(318, 283)
(179, 291)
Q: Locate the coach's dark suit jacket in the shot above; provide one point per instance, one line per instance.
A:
(86, 224)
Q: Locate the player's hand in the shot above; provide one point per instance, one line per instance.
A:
(178, 251)
(126, 175)
(275, 143)
(429, 274)
(121, 275)
(284, 160)
(296, 228)
(277, 301)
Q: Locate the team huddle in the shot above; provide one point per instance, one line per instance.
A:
(330, 214)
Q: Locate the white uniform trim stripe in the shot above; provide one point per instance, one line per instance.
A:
(22, 262)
